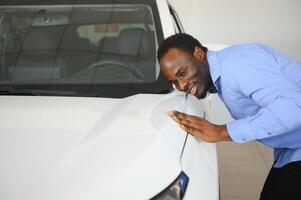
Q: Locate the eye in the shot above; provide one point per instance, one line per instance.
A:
(182, 73)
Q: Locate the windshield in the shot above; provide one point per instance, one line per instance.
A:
(107, 49)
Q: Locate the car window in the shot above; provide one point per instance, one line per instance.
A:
(85, 45)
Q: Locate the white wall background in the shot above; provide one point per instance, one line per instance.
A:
(273, 22)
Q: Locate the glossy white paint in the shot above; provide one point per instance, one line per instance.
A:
(96, 148)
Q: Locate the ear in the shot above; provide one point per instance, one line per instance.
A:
(199, 53)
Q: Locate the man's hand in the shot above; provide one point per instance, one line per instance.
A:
(201, 128)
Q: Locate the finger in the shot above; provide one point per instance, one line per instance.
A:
(199, 134)
(187, 128)
(186, 122)
(176, 115)
(179, 116)
(188, 117)
(190, 120)
(171, 113)
(175, 118)
(191, 124)
(184, 119)
(194, 118)
(195, 132)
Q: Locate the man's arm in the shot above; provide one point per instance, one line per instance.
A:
(262, 80)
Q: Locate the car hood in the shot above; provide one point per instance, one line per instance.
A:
(88, 148)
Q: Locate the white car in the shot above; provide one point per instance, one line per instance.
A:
(83, 105)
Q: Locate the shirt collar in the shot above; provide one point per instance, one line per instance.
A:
(214, 67)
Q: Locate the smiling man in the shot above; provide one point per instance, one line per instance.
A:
(261, 88)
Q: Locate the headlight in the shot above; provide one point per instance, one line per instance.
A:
(176, 190)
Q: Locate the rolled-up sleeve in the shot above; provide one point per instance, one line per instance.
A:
(279, 98)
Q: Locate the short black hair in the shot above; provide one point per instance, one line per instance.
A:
(181, 41)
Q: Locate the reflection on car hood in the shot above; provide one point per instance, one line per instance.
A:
(88, 148)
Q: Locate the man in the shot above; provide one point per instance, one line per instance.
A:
(261, 88)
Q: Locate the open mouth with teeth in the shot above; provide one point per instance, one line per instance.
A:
(192, 89)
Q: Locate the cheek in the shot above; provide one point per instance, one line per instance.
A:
(198, 75)
(203, 73)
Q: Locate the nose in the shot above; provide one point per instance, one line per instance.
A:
(182, 85)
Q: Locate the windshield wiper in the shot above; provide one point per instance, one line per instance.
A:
(36, 92)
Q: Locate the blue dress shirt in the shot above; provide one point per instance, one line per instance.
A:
(261, 87)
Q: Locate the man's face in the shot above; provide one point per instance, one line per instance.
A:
(187, 72)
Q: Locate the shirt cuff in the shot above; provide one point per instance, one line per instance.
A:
(239, 131)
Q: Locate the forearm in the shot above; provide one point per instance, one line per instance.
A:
(280, 117)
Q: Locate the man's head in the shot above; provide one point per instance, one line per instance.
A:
(183, 61)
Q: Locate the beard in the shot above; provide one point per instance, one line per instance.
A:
(203, 80)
